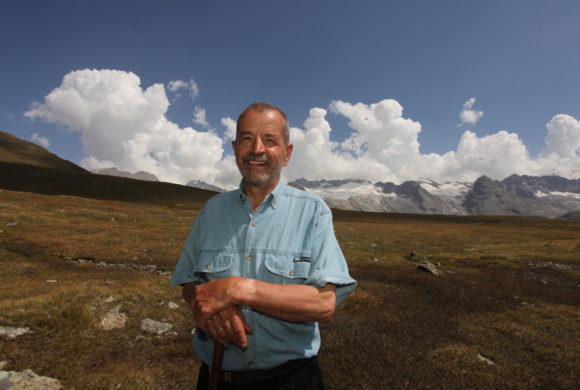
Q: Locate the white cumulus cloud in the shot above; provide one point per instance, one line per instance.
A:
(199, 117)
(468, 115)
(384, 146)
(190, 86)
(123, 125)
(36, 137)
(230, 126)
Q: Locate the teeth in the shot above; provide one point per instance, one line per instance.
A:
(257, 162)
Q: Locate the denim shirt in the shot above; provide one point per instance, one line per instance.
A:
(288, 240)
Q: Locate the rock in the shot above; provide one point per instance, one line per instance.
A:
(155, 327)
(51, 281)
(27, 380)
(428, 267)
(3, 364)
(485, 360)
(12, 332)
(412, 256)
(173, 305)
(12, 224)
(113, 319)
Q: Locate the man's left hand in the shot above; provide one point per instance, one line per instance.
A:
(215, 296)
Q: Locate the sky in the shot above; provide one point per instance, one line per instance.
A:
(385, 90)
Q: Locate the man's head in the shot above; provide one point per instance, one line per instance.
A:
(262, 145)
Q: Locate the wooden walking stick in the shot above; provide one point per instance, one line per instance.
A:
(216, 366)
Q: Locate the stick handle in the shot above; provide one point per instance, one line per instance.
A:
(216, 366)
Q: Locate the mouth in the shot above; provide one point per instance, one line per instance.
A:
(256, 163)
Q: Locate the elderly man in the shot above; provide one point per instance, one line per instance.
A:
(261, 267)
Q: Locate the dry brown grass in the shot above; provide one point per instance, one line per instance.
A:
(509, 292)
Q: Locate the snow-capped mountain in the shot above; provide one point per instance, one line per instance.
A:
(204, 186)
(546, 196)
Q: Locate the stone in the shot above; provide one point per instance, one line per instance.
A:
(487, 361)
(114, 319)
(3, 364)
(155, 327)
(13, 332)
(173, 305)
(428, 267)
(412, 256)
(27, 380)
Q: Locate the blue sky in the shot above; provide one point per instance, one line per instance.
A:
(512, 67)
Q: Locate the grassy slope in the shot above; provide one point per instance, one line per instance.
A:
(503, 293)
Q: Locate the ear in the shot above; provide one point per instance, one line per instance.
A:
(289, 149)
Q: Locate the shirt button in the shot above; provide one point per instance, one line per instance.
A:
(249, 257)
(254, 224)
(291, 273)
(250, 364)
(208, 266)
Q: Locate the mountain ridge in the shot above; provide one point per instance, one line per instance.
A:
(25, 166)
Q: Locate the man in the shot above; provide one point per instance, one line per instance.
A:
(261, 267)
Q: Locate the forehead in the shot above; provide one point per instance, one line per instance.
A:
(263, 122)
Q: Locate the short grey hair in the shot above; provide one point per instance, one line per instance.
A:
(261, 107)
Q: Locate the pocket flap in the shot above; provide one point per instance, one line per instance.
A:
(210, 262)
(286, 266)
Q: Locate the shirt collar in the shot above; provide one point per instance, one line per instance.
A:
(272, 198)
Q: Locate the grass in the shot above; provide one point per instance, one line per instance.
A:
(509, 292)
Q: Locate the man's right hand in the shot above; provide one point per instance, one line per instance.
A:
(229, 327)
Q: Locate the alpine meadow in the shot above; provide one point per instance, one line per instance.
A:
(443, 302)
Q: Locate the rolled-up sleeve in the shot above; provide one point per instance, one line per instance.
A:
(328, 262)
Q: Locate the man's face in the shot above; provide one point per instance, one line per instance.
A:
(260, 148)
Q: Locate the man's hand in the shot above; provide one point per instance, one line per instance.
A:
(229, 327)
(214, 297)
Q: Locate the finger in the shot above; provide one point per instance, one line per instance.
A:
(247, 328)
(217, 331)
(220, 336)
(239, 336)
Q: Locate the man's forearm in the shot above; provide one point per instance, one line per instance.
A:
(293, 302)
(297, 303)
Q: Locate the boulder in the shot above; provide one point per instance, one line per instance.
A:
(13, 332)
(27, 380)
(155, 327)
(114, 319)
(431, 268)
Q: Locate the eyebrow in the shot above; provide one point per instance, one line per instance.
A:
(267, 135)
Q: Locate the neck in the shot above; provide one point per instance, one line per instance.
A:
(257, 193)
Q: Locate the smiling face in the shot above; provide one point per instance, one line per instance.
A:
(260, 148)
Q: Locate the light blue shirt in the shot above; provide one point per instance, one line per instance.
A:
(288, 240)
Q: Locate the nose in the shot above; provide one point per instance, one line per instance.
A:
(258, 146)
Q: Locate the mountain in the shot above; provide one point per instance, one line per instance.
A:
(204, 186)
(141, 175)
(491, 197)
(13, 150)
(27, 167)
(421, 197)
(546, 196)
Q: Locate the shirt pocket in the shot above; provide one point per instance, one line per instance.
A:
(286, 269)
(213, 265)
